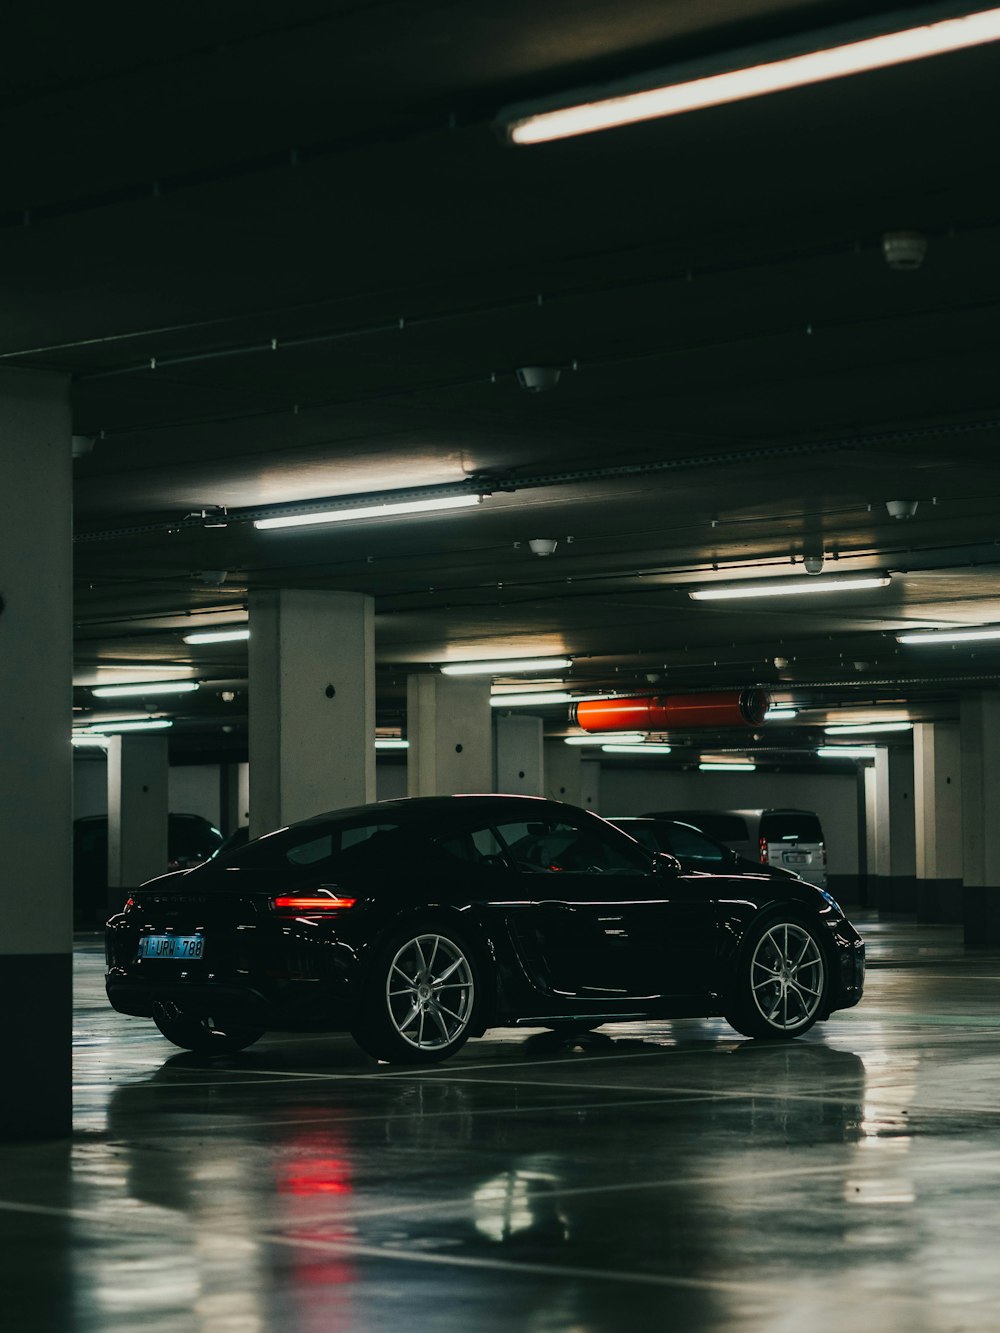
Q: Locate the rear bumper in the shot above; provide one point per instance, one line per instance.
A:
(297, 1003)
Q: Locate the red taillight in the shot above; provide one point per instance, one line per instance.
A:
(763, 850)
(310, 903)
(129, 904)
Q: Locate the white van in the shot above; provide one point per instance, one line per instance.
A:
(790, 839)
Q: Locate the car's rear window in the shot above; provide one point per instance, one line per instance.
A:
(790, 826)
(330, 850)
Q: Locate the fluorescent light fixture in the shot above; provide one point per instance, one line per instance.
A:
(797, 587)
(95, 742)
(390, 743)
(626, 106)
(846, 752)
(607, 738)
(388, 510)
(524, 700)
(512, 666)
(143, 688)
(853, 728)
(217, 636)
(727, 768)
(780, 714)
(948, 635)
(647, 747)
(113, 728)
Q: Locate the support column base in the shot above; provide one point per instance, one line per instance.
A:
(893, 893)
(939, 901)
(982, 916)
(36, 997)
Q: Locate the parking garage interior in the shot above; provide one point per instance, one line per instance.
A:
(353, 436)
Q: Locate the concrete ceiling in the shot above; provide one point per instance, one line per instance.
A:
(285, 255)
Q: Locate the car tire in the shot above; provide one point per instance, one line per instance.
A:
(206, 1036)
(422, 996)
(780, 981)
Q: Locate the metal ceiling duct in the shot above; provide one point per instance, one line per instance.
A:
(680, 712)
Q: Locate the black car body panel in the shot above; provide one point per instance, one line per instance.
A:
(567, 917)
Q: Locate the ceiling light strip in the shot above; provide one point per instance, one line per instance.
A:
(505, 667)
(803, 585)
(390, 509)
(832, 58)
(971, 635)
(144, 688)
(855, 728)
(217, 636)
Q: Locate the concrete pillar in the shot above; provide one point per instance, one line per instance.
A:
(980, 741)
(562, 772)
(137, 812)
(312, 704)
(450, 729)
(36, 670)
(894, 830)
(937, 800)
(229, 799)
(871, 838)
(520, 768)
(590, 785)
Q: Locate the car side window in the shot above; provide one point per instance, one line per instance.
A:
(688, 845)
(480, 847)
(549, 846)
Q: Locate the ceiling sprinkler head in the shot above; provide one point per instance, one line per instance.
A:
(536, 379)
(542, 545)
(904, 251)
(901, 508)
(813, 562)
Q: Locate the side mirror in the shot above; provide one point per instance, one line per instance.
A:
(666, 864)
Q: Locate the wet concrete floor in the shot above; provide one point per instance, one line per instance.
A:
(655, 1176)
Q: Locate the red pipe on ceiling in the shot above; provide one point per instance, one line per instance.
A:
(673, 712)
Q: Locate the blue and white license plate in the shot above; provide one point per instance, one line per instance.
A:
(181, 947)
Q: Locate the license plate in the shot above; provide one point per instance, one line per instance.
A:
(795, 859)
(181, 947)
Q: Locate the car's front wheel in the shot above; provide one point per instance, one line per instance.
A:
(421, 998)
(206, 1036)
(780, 982)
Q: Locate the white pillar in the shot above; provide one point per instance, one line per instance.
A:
(312, 704)
(450, 729)
(894, 832)
(36, 671)
(937, 797)
(562, 772)
(590, 785)
(980, 739)
(519, 756)
(137, 812)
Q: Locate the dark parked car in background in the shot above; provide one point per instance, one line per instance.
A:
(416, 924)
(190, 840)
(695, 850)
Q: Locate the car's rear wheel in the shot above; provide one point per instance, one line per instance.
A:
(207, 1036)
(422, 997)
(780, 981)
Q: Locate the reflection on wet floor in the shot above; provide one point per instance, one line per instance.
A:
(649, 1176)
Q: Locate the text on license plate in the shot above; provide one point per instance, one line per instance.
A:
(795, 859)
(172, 946)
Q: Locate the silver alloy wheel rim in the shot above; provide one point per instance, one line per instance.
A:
(430, 992)
(787, 973)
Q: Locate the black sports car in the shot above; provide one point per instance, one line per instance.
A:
(416, 924)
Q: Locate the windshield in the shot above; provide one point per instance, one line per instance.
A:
(790, 826)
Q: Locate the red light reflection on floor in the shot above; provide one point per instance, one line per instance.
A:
(316, 1165)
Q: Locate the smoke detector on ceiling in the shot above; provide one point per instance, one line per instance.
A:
(536, 379)
(904, 251)
(813, 562)
(542, 545)
(901, 508)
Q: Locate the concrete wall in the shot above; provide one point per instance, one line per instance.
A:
(631, 791)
